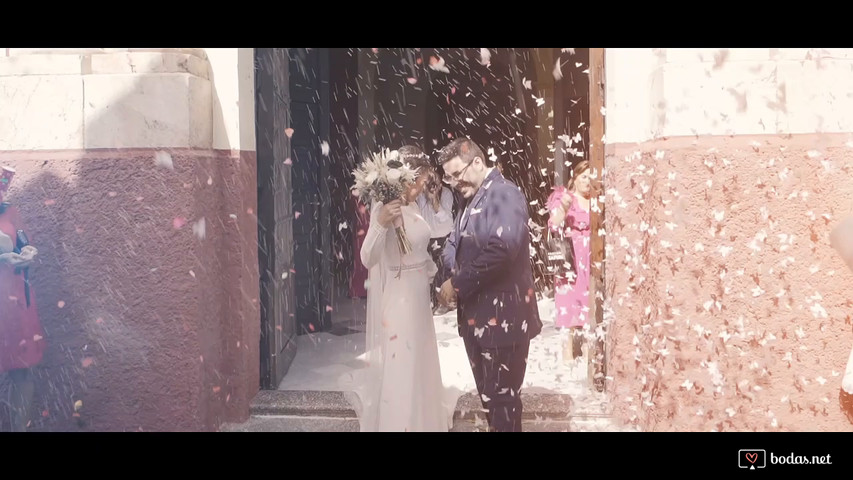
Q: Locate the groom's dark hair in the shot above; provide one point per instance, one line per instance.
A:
(464, 148)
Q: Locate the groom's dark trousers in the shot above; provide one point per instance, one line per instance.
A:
(488, 255)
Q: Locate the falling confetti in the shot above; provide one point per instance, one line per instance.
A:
(163, 160)
(485, 57)
(437, 64)
(199, 228)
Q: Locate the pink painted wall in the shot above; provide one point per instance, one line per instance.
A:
(730, 309)
(149, 324)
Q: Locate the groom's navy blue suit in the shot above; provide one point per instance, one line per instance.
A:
(488, 254)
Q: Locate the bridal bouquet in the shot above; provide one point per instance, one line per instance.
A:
(384, 179)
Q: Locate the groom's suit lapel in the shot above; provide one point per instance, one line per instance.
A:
(475, 205)
(473, 208)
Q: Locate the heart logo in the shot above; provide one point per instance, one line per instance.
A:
(752, 457)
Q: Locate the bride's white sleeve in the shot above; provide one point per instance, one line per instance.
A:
(374, 240)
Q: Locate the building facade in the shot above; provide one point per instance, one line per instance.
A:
(142, 174)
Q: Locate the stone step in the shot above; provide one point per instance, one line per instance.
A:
(301, 403)
(293, 423)
(289, 423)
(335, 404)
(537, 406)
(526, 426)
(326, 411)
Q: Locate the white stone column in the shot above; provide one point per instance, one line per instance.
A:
(70, 99)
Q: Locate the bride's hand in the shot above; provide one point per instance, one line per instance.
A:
(389, 213)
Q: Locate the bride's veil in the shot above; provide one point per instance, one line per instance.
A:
(363, 386)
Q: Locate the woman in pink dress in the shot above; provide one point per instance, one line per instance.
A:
(22, 342)
(569, 207)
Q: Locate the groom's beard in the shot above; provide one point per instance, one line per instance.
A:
(466, 189)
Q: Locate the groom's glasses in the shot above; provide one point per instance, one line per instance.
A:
(453, 178)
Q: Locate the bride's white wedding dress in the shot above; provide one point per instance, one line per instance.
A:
(401, 388)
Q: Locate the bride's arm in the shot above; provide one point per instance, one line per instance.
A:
(374, 240)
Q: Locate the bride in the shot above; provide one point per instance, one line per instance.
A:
(401, 388)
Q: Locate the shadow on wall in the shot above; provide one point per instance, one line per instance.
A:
(139, 252)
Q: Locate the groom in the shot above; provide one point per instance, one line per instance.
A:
(488, 253)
